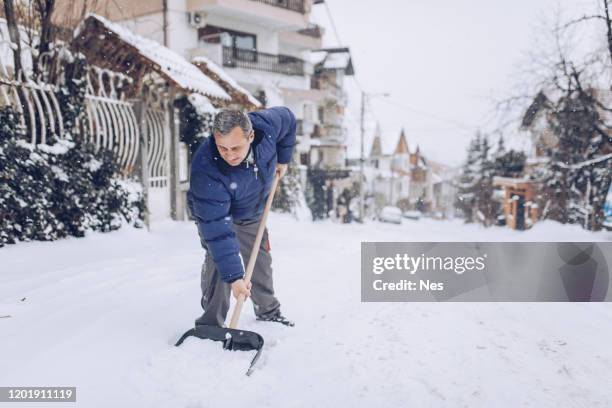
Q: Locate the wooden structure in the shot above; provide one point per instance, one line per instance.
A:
(520, 207)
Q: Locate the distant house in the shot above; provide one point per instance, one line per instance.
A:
(522, 194)
(402, 177)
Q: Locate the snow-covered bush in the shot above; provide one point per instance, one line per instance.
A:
(53, 191)
(196, 120)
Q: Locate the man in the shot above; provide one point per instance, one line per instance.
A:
(231, 176)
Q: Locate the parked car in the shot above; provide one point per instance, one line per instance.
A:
(390, 214)
(412, 215)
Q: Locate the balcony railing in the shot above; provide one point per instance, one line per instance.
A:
(312, 30)
(294, 5)
(249, 59)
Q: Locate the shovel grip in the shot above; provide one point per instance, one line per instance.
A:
(254, 252)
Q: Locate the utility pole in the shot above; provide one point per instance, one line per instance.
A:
(361, 163)
(361, 156)
(165, 21)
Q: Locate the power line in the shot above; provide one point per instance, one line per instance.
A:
(333, 23)
(406, 108)
(431, 115)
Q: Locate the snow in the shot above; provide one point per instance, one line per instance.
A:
(58, 148)
(202, 104)
(102, 313)
(337, 60)
(93, 165)
(330, 60)
(585, 163)
(184, 73)
(225, 77)
(59, 173)
(316, 57)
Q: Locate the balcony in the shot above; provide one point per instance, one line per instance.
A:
(260, 61)
(332, 91)
(293, 5)
(274, 14)
(329, 133)
(313, 30)
(309, 38)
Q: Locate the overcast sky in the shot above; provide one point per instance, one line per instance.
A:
(441, 61)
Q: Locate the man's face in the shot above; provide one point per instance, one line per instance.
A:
(234, 146)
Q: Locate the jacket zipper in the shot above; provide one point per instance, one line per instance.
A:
(263, 184)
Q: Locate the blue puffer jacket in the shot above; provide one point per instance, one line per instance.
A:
(219, 193)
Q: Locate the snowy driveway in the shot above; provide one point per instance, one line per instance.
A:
(102, 314)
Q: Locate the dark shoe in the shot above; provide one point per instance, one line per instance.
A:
(277, 317)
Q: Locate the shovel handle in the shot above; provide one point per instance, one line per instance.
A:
(254, 252)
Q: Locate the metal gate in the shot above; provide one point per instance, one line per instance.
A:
(157, 138)
(110, 121)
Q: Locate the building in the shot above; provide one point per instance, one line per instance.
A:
(401, 178)
(263, 45)
(266, 49)
(522, 199)
(327, 140)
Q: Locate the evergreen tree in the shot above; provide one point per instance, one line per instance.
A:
(194, 126)
(287, 198)
(469, 179)
(475, 195)
(72, 87)
(578, 179)
(510, 164)
(486, 206)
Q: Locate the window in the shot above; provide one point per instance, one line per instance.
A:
(228, 38)
(321, 114)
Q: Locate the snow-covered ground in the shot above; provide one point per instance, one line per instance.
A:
(102, 314)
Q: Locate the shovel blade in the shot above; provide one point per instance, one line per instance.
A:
(232, 339)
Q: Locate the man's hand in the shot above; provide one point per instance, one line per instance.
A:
(281, 169)
(240, 287)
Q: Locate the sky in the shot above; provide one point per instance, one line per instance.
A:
(444, 64)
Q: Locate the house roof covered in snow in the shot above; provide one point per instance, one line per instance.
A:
(113, 46)
(333, 59)
(228, 83)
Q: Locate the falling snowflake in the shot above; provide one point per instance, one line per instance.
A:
(233, 185)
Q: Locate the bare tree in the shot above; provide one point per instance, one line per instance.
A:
(44, 9)
(13, 29)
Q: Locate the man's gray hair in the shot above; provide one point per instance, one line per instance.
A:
(228, 119)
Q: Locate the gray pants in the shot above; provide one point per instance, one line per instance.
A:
(216, 293)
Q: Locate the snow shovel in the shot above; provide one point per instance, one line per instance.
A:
(232, 338)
